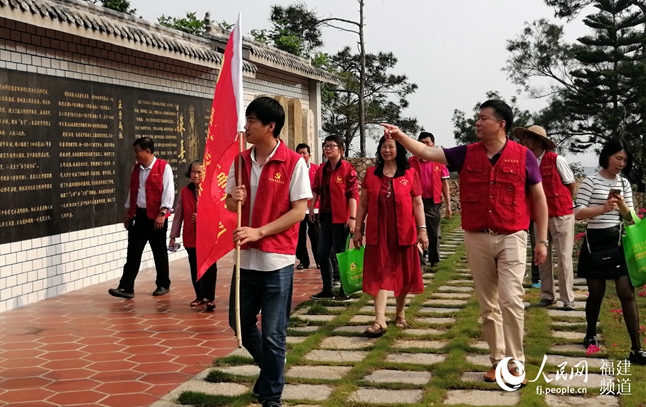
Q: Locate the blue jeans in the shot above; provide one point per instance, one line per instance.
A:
(271, 293)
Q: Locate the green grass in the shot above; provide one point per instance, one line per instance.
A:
(459, 336)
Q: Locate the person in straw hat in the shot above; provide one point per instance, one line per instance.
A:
(559, 185)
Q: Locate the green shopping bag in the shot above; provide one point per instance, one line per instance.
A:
(634, 242)
(351, 268)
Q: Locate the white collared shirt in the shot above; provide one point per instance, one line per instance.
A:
(168, 188)
(299, 188)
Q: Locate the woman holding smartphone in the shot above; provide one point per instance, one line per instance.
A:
(604, 200)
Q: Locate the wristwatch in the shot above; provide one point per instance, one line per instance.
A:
(545, 242)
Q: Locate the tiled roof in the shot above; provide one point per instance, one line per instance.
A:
(94, 18)
(103, 21)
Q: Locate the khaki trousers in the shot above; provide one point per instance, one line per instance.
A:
(497, 264)
(561, 237)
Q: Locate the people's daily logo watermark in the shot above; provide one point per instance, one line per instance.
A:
(614, 377)
(505, 378)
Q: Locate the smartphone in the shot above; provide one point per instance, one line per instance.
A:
(614, 191)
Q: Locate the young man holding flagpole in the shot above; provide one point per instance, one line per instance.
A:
(274, 191)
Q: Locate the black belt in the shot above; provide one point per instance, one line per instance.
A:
(491, 232)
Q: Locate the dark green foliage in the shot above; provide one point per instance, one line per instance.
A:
(465, 127)
(189, 24)
(117, 5)
(295, 29)
(385, 96)
(597, 86)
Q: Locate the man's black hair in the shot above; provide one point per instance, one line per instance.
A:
(426, 134)
(303, 145)
(267, 110)
(502, 111)
(145, 143)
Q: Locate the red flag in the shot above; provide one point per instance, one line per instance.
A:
(215, 223)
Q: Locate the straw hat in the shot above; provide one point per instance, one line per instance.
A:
(536, 131)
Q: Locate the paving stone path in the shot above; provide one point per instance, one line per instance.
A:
(331, 363)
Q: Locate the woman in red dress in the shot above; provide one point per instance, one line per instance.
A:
(391, 204)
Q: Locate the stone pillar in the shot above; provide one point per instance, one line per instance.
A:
(309, 135)
(284, 133)
(295, 123)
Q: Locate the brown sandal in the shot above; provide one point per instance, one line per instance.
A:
(401, 323)
(374, 331)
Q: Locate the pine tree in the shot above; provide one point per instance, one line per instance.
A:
(608, 99)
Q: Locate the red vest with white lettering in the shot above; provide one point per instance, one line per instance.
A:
(559, 198)
(189, 207)
(338, 189)
(272, 199)
(493, 197)
(436, 177)
(402, 187)
(154, 189)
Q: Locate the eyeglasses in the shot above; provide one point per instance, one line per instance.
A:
(329, 146)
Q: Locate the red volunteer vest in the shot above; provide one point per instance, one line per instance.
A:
(154, 189)
(338, 189)
(312, 174)
(559, 198)
(436, 177)
(402, 187)
(189, 206)
(493, 197)
(272, 199)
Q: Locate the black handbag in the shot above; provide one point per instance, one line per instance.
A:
(611, 258)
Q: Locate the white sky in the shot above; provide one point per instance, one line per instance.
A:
(453, 50)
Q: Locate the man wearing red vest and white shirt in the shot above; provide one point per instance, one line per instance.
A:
(274, 193)
(147, 209)
(495, 176)
(434, 178)
(308, 227)
(558, 184)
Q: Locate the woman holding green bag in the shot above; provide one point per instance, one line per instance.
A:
(604, 199)
(391, 198)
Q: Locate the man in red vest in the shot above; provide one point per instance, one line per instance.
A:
(147, 209)
(274, 193)
(559, 186)
(434, 178)
(309, 227)
(497, 179)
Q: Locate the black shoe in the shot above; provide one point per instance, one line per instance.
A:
(271, 404)
(120, 292)
(160, 291)
(302, 267)
(318, 266)
(591, 340)
(323, 295)
(254, 391)
(342, 298)
(637, 357)
(545, 302)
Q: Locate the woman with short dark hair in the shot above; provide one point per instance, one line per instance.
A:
(605, 199)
